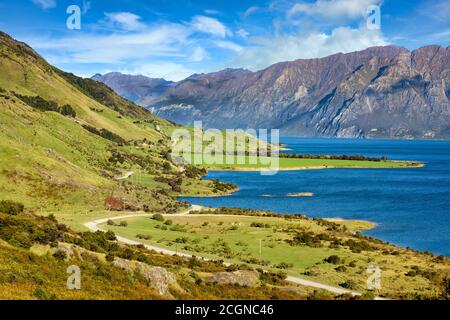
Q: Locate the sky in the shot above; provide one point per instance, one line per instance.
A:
(175, 39)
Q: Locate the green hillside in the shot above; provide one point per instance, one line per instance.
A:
(64, 140)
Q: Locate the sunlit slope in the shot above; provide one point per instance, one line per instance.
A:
(24, 72)
(47, 157)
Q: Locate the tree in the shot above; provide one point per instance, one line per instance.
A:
(67, 110)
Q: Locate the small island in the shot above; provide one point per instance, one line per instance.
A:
(301, 194)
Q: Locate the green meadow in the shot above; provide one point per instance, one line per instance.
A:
(265, 242)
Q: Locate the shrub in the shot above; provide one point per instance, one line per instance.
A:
(259, 225)
(109, 257)
(340, 269)
(67, 110)
(11, 207)
(181, 240)
(106, 134)
(352, 264)
(60, 255)
(272, 278)
(349, 284)
(123, 224)
(21, 239)
(110, 223)
(158, 217)
(446, 288)
(168, 222)
(368, 295)
(284, 265)
(334, 259)
(41, 294)
(110, 235)
(320, 295)
(143, 236)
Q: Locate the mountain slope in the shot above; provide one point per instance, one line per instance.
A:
(378, 92)
(64, 140)
(140, 89)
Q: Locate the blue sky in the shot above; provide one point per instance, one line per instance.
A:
(174, 39)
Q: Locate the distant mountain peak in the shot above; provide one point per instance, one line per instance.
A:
(383, 91)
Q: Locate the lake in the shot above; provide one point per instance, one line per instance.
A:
(410, 206)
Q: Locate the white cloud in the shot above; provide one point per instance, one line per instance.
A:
(162, 69)
(45, 4)
(250, 11)
(211, 26)
(243, 33)
(168, 40)
(267, 51)
(199, 54)
(211, 11)
(229, 45)
(333, 9)
(125, 20)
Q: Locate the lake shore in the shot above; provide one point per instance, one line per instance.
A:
(408, 165)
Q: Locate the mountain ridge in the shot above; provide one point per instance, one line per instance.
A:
(385, 91)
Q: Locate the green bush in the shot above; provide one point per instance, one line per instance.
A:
(349, 284)
(334, 259)
(158, 217)
(21, 239)
(67, 110)
(60, 255)
(340, 269)
(110, 235)
(11, 207)
(144, 236)
(109, 257)
(106, 134)
(259, 225)
(42, 294)
(123, 224)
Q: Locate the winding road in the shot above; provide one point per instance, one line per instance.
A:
(93, 226)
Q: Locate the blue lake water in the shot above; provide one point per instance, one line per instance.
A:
(410, 206)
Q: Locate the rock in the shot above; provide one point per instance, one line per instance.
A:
(245, 278)
(158, 277)
(70, 250)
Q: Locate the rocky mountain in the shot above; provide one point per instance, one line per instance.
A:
(140, 89)
(378, 92)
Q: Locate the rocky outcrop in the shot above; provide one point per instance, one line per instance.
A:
(158, 277)
(246, 278)
(378, 92)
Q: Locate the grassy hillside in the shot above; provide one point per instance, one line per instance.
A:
(64, 141)
(36, 251)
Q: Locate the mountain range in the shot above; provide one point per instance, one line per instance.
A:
(384, 91)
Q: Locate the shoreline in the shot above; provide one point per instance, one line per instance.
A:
(300, 168)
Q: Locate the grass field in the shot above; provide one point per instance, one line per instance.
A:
(237, 239)
(250, 163)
